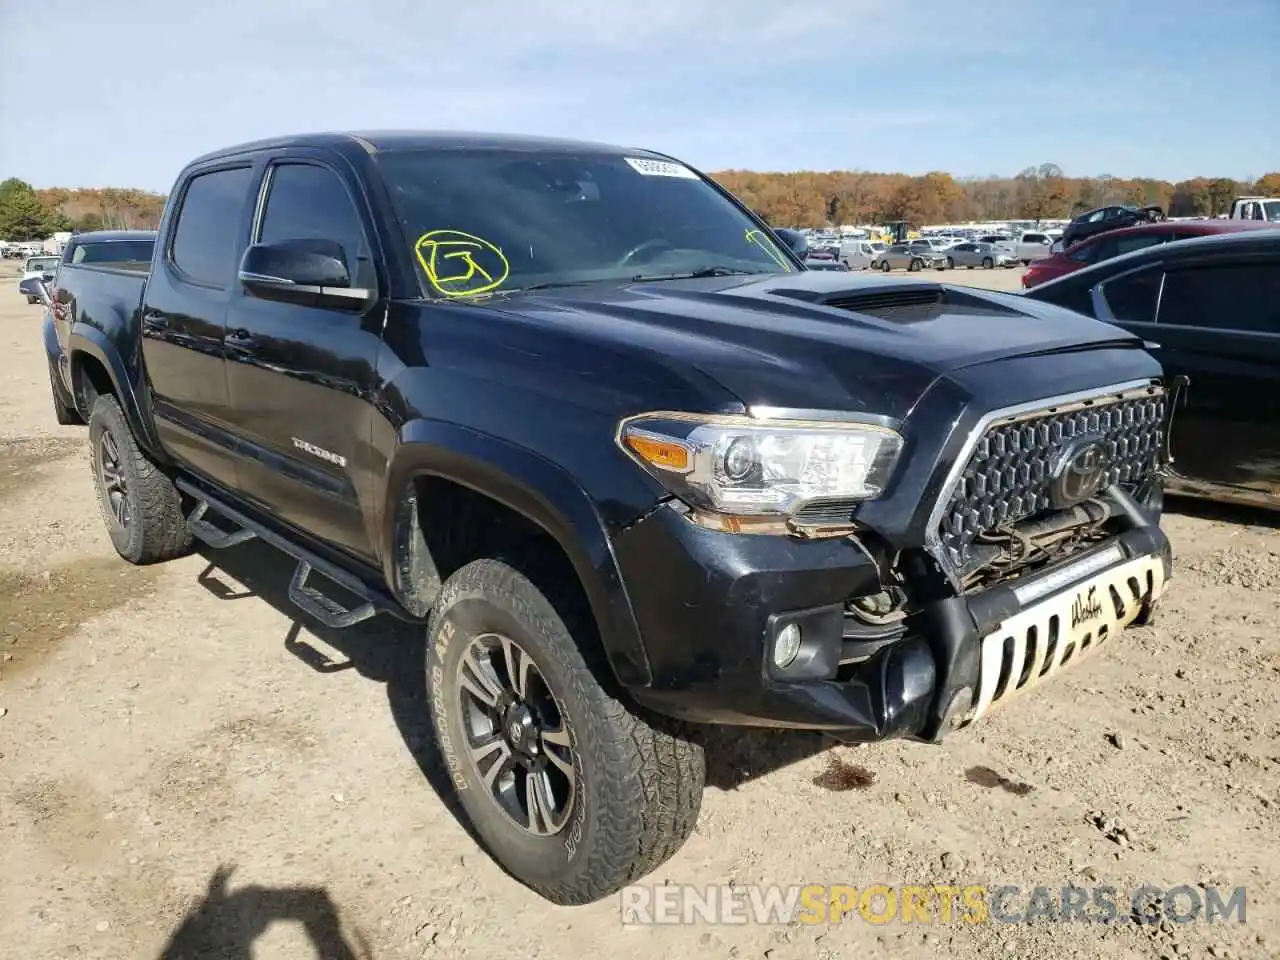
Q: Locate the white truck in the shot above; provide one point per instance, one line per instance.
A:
(1256, 208)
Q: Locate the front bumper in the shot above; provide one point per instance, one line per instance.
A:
(711, 604)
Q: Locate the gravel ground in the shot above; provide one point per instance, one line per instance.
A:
(185, 770)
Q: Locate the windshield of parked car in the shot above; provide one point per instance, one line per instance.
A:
(1271, 210)
(483, 221)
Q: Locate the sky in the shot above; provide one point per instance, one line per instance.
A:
(123, 93)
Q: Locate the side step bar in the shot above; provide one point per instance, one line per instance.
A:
(306, 597)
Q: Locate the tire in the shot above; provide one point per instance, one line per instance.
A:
(884, 266)
(635, 791)
(140, 505)
(64, 413)
(951, 264)
(987, 263)
(915, 266)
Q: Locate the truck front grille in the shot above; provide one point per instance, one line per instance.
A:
(1008, 474)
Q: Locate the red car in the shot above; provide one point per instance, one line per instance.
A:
(1104, 246)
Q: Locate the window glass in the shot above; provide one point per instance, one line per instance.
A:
(205, 241)
(1096, 216)
(1138, 242)
(115, 251)
(1132, 297)
(1084, 253)
(480, 220)
(306, 202)
(1239, 297)
(1034, 238)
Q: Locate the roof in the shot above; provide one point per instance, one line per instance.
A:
(106, 236)
(385, 141)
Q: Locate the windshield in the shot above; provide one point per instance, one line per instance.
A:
(1271, 210)
(42, 263)
(489, 220)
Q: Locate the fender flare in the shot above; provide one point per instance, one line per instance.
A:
(92, 342)
(541, 492)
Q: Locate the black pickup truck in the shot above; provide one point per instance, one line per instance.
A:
(635, 469)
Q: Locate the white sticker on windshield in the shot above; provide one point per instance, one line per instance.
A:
(660, 168)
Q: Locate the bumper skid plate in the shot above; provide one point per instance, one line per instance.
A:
(1042, 639)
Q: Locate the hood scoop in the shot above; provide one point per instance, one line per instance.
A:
(916, 303)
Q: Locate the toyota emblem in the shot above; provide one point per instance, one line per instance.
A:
(1081, 472)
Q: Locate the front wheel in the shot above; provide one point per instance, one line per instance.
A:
(951, 264)
(884, 266)
(915, 267)
(571, 792)
(987, 263)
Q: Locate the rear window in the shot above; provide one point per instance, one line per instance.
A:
(113, 252)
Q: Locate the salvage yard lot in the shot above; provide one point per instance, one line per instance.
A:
(183, 765)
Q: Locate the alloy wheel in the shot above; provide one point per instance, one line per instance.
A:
(115, 486)
(516, 734)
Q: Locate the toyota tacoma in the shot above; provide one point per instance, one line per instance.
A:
(632, 468)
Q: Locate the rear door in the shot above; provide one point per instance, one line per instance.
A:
(184, 318)
(1219, 323)
(301, 377)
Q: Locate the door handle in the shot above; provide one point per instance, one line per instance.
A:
(240, 337)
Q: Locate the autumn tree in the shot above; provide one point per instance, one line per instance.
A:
(1268, 185)
(24, 216)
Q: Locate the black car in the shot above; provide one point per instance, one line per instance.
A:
(1093, 222)
(1210, 309)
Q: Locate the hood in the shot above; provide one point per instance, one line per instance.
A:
(816, 339)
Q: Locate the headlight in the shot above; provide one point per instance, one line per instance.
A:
(744, 466)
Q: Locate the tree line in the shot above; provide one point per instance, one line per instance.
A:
(803, 199)
(809, 199)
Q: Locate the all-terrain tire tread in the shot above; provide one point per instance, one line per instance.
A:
(665, 771)
(163, 522)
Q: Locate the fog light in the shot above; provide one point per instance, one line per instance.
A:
(787, 646)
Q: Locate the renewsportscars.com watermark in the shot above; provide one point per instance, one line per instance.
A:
(928, 904)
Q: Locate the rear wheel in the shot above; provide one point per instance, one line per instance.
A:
(987, 263)
(571, 791)
(140, 505)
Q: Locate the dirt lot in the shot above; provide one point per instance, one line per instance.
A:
(187, 771)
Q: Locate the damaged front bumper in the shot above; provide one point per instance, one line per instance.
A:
(715, 606)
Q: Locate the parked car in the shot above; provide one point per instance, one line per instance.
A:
(985, 255)
(902, 256)
(832, 264)
(1033, 245)
(1104, 246)
(1104, 219)
(929, 254)
(1209, 308)
(620, 456)
(38, 268)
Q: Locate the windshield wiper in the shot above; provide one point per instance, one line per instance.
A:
(709, 271)
(551, 284)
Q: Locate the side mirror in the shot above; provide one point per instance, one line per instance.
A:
(35, 287)
(794, 240)
(307, 272)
